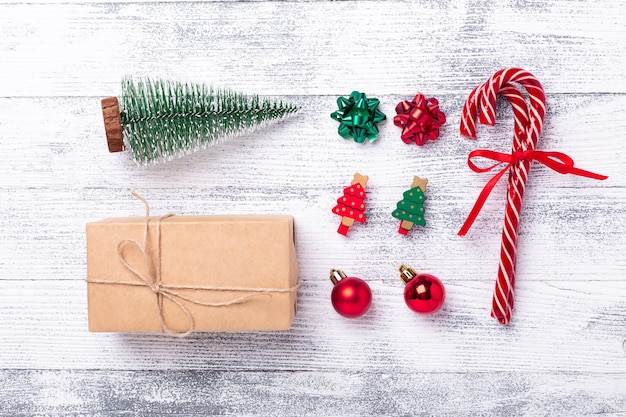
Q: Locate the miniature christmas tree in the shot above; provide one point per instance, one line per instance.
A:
(410, 210)
(351, 206)
(159, 119)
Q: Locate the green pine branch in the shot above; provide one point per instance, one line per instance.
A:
(163, 119)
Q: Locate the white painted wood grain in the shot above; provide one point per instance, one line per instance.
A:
(316, 47)
(564, 353)
(310, 393)
(558, 327)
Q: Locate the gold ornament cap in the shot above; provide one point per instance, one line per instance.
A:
(336, 275)
(406, 273)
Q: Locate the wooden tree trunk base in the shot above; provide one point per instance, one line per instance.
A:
(113, 124)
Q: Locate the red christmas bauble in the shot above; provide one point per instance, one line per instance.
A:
(424, 294)
(351, 297)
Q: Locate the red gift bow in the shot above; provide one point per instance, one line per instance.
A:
(420, 119)
(556, 161)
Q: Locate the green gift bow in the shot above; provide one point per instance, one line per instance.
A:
(358, 116)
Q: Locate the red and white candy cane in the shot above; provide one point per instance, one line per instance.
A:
(528, 125)
(520, 113)
(503, 299)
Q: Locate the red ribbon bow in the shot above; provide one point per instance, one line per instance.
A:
(556, 161)
(420, 119)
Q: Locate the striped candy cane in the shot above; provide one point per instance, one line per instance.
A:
(528, 126)
(520, 113)
(481, 104)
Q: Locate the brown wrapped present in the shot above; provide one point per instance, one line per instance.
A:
(183, 274)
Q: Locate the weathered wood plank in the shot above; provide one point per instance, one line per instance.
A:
(60, 142)
(311, 47)
(97, 393)
(558, 327)
(576, 236)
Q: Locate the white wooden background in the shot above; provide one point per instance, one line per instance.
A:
(563, 354)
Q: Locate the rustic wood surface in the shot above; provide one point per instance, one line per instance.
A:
(564, 354)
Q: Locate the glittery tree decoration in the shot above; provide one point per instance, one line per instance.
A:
(159, 120)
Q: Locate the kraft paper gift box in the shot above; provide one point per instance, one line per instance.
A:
(245, 267)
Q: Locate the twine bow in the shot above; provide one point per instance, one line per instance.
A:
(152, 280)
(556, 161)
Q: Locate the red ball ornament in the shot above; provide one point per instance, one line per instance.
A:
(351, 296)
(424, 293)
